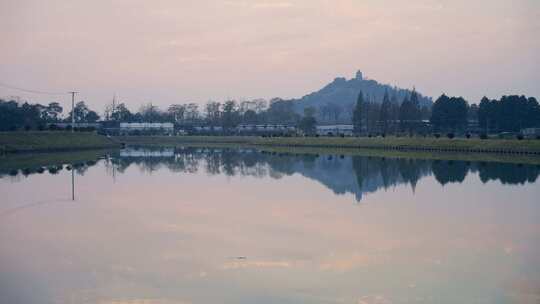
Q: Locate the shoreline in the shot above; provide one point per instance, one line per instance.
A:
(33, 144)
(403, 144)
(52, 141)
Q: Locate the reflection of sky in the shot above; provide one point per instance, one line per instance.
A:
(182, 238)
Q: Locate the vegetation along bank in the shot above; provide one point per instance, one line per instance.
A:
(508, 146)
(11, 142)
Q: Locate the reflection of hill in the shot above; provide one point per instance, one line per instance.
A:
(359, 175)
(342, 174)
(356, 175)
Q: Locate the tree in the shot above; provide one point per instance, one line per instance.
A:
(449, 114)
(177, 112)
(230, 115)
(333, 111)
(80, 111)
(372, 112)
(83, 114)
(213, 112)
(192, 112)
(404, 113)
(150, 113)
(410, 116)
(309, 112)
(308, 123)
(384, 116)
(282, 111)
(472, 113)
(416, 113)
(260, 105)
(484, 114)
(14, 116)
(394, 112)
(52, 112)
(92, 116)
(357, 113)
(250, 117)
(122, 113)
(509, 114)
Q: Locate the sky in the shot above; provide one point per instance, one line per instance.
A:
(178, 51)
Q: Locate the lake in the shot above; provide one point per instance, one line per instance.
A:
(239, 225)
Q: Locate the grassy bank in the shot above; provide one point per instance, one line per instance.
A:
(432, 145)
(470, 157)
(11, 142)
(45, 159)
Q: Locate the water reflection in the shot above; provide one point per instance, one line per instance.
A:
(174, 226)
(342, 174)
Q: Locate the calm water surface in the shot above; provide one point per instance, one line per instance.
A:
(241, 226)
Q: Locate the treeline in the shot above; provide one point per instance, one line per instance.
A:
(227, 114)
(25, 116)
(510, 113)
(15, 116)
(390, 116)
(451, 115)
(18, 116)
(448, 114)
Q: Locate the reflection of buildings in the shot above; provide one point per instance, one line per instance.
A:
(130, 152)
(356, 175)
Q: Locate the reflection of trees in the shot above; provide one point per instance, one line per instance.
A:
(342, 174)
(412, 170)
(450, 171)
(378, 172)
(508, 173)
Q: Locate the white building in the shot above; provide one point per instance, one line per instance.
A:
(130, 152)
(63, 125)
(249, 128)
(165, 127)
(531, 132)
(208, 129)
(335, 130)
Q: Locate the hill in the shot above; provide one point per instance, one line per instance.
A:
(343, 93)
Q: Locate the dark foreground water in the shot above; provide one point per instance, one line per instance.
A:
(240, 226)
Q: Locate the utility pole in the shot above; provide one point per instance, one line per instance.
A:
(73, 111)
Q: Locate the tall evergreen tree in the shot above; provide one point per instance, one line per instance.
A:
(484, 115)
(416, 114)
(384, 115)
(358, 113)
(410, 115)
(404, 115)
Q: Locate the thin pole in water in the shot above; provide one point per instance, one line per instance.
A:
(72, 183)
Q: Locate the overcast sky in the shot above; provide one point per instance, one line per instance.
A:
(176, 51)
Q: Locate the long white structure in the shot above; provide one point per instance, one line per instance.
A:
(334, 130)
(143, 126)
(265, 128)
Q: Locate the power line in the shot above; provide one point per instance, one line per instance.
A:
(5, 85)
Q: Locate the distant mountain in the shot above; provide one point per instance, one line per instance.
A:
(344, 92)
